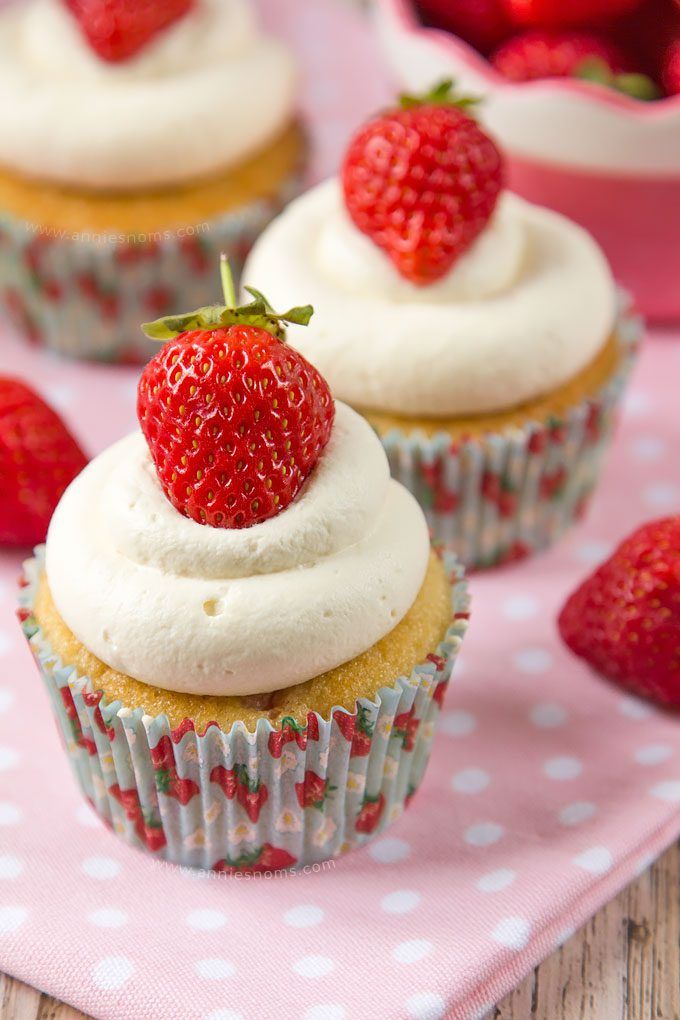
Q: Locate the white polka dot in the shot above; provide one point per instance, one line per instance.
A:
(206, 919)
(9, 758)
(564, 936)
(520, 607)
(512, 932)
(472, 780)
(10, 867)
(662, 496)
(224, 1014)
(326, 1011)
(668, 791)
(426, 1006)
(563, 768)
(532, 660)
(6, 699)
(313, 966)
(6, 642)
(112, 972)
(648, 448)
(61, 396)
(412, 951)
(548, 715)
(598, 860)
(633, 708)
(101, 867)
(579, 811)
(87, 817)
(109, 917)
(215, 969)
(496, 881)
(637, 403)
(644, 864)
(389, 851)
(11, 918)
(400, 902)
(10, 814)
(304, 916)
(592, 552)
(457, 724)
(483, 834)
(653, 754)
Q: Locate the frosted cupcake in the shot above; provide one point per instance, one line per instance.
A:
(238, 616)
(136, 143)
(481, 336)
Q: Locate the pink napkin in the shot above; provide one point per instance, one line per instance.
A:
(547, 792)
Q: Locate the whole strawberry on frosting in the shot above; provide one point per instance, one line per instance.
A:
(422, 181)
(235, 420)
(624, 620)
(118, 29)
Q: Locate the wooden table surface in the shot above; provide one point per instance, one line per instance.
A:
(624, 965)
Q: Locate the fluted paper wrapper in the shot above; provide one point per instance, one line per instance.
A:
(263, 801)
(84, 295)
(497, 498)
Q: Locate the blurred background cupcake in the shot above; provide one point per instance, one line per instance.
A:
(136, 142)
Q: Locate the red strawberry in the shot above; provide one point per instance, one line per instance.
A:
(167, 780)
(117, 29)
(225, 779)
(491, 487)
(313, 791)
(92, 701)
(440, 692)
(38, 459)
(148, 828)
(551, 485)
(358, 729)
(670, 72)
(538, 442)
(548, 13)
(556, 54)
(235, 419)
(406, 728)
(507, 502)
(482, 23)
(312, 726)
(370, 814)
(79, 737)
(290, 731)
(251, 794)
(624, 620)
(265, 858)
(422, 181)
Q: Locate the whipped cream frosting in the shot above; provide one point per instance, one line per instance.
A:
(202, 96)
(204, 610)
(522, 312)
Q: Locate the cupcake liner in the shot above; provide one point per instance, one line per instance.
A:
(498, 498)
(265, 801)
(84, 295)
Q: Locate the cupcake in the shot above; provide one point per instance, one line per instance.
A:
(243, 630)
(480, 335)
(137, 142)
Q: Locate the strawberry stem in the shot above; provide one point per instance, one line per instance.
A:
(227, 277)
(443, 94)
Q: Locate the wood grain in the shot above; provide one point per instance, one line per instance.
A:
(623, 965)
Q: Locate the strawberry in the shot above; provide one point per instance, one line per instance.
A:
(264, 858)
(117, 29)
(235, 420)
(79, 737)
(39, 458)
(167, 779)
(225, 779)
(370, 814)
(313, 791)
(555, 53)
(670, 71)
(148, 828)
(251, 794)
(422, 181)
(624, 620)
(551, 13)
(312, 726)
(290, 731)
(406, 728)
(92, 701)
(357, 729)
(440, 692)
(482, 23)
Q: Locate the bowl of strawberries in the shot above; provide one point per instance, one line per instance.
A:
(584, 95)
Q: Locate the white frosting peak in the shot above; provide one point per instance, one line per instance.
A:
(186, 607)
(205, 94)
(527, 308)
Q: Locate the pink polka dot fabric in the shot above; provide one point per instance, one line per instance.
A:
(548, 789)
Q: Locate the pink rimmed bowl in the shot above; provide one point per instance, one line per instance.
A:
(607, 161)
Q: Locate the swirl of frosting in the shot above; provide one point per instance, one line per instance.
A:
(204, 610)
(201, 97)
(522, 312)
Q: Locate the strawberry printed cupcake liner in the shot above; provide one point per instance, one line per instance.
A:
(269, 800)
(497, 499)
(84, 295)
